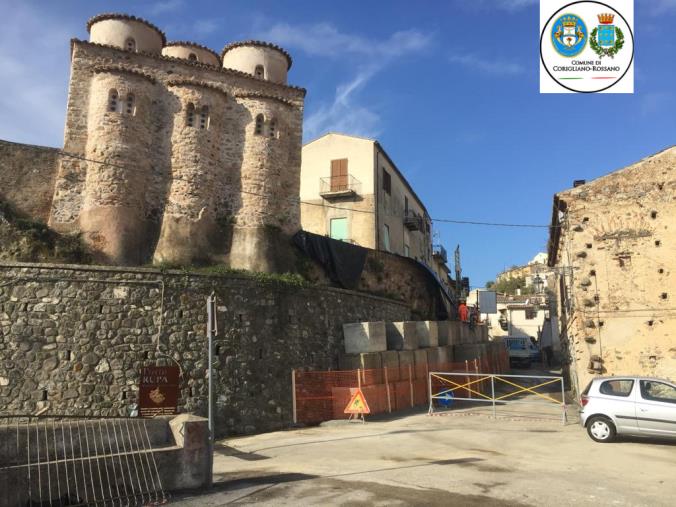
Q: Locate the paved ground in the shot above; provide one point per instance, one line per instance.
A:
(453, 460)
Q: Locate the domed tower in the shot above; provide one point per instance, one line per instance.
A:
(268, 213)
(190, 226)
(192, 52)
(118, 149)
(126, 32)
(260, 59)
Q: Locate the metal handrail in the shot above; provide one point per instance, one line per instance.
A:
(339, 184)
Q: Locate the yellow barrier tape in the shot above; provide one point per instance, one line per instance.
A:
(524, 388)
(459, 386)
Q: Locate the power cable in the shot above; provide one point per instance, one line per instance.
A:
(324, 205)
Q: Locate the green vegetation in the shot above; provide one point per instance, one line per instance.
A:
(509, 286)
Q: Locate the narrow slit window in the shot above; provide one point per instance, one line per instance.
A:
(259, 125)
(190, 115)
(130, 44)
(129, 106)
(272, 131)
(113, 99)
(192, 57)
(204, 117)
(259, 72)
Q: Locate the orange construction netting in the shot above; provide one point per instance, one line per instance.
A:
(323, 395)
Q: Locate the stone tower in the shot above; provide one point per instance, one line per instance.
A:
(177, 154)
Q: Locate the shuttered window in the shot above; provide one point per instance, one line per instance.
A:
(339, 175)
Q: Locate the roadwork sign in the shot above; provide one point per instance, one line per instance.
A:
(357, 404)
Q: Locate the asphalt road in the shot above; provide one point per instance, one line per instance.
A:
(446, 460)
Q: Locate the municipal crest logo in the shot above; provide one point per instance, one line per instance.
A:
(569, 35)
(606, 39)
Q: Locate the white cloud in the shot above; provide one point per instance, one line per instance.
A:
(369, 56)
(323, 39)
(487, 66)
(165, 7)
(34, 84)
(344, 114)
(204, 27)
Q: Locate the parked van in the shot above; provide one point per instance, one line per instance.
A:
(519, 349)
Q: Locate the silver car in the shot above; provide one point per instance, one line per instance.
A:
(638, 406)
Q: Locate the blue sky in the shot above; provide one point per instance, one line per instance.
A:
(449, 88)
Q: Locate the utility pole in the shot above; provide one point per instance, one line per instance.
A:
(211, 315)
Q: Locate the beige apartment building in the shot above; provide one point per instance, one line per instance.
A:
(351, 190)
(613, 244)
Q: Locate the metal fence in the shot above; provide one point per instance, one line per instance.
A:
(323, 395)
(65, 461)
(446, 388)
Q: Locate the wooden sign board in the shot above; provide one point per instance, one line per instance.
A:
(357, 404)
(158, 391)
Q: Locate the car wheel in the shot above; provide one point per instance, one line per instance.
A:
(601, 429)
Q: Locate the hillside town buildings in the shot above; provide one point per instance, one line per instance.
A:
(612, 242)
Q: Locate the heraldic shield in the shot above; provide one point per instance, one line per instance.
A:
(606, 35)
(569, 35)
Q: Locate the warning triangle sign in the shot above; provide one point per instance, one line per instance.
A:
(357, 404)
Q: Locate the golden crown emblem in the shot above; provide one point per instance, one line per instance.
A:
(606, 19)
(569, 21)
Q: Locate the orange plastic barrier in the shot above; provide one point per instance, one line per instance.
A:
(323, 395)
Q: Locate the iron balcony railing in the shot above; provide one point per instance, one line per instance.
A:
(339, 186)
(440, 252)
(413, 221)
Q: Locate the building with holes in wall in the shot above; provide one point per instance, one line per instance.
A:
(351, 190)
(174, 153)
(613, 247)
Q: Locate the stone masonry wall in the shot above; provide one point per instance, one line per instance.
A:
(267, 167)
(73, 339)
(27, 175)
(617, 249)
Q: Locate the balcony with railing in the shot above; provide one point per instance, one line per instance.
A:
(339, 186)
(439, 252)
(413, 221)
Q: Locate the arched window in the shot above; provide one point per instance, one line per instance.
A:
(259, 72)
(113, 101)
(259, 125)
(130, 44)
(204, 117)
(192, 57)
(190, 115)
(129, 107)
(272, 128)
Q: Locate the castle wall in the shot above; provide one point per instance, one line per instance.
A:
(118, 150)
(80, 335)
(116, 32)
(246, 58)
(27, 176)
(229, 149)
(616, 251)
(191, 224)
(270, 179)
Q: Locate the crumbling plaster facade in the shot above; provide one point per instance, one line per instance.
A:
(175, 154)
(613, 244)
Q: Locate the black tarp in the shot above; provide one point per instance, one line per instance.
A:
(342, 261)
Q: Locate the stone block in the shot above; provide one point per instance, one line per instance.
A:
(390, 360)
(428, 333)
(361, 337)
(368, 361)
(401, 335)
(406, 363)
(443, 327)
(454, 332)
(420, 361)
(438, 358)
